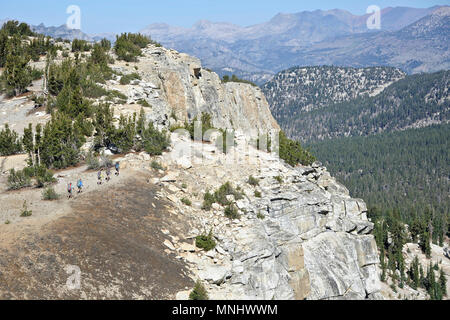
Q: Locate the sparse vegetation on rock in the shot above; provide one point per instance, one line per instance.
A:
(205, 241)
(199, 292)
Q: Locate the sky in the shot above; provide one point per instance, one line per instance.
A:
(99, 16)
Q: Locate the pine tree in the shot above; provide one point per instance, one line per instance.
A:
(414, 273)
(28, 143)
(17, 74)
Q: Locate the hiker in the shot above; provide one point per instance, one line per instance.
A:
(69, 190)
(99, 176)
(117, 168)
(80, 185)
(108, 174)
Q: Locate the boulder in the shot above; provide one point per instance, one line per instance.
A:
(215, 274)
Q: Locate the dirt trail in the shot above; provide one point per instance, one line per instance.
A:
(114, 236)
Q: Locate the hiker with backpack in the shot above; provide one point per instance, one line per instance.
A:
(108, 174)
(69, 190)
(80, 186)
(100, 176)
(117, 166)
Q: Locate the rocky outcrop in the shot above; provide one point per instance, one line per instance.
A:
(305, 238)
(313, 244)
(178, 89)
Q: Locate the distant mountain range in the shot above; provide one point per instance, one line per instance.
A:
(415, 40)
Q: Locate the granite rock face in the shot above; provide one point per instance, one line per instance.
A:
(305, 238)
(178, 89)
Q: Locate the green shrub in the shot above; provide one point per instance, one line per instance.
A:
(205, 242)
(208, 200)
(205, 119)
(199, 292)
(144, 103)
(258, 194)
(43, 176)
(156, 165)
(92, 161)
(154, 141)
(25, 212)
(232, 212)
(126, 79)
(184, 186)
(234, 78)
(36, 74)
(186, 201)
(260, 216)
(117, 94)
(279, 179)
(253, 181)
(220, 196)
(80, 45)
(292, 152)
(105, 161)
(50, 194)
(18, 180)
(128, 46)
(93, 90)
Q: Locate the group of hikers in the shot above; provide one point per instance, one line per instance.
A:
(99, 177)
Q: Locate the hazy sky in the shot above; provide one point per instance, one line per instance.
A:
(132, 15)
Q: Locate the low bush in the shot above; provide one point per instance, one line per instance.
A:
(232, 212)
(80, 45)
(258, 194)
(128, 46)
(92, 161)
(156, 165)
(18, 180)
(199, 292)
(208, 200)
(205, 242)
(220, 196)
(127, 78)
(253, 181)
(155, 141)
(144, 103)
(105, 161)
(50, 194)
(234, 78)
(279, 179)
(186, 201)
(25, 212)
(43, 177)
(292, 152)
